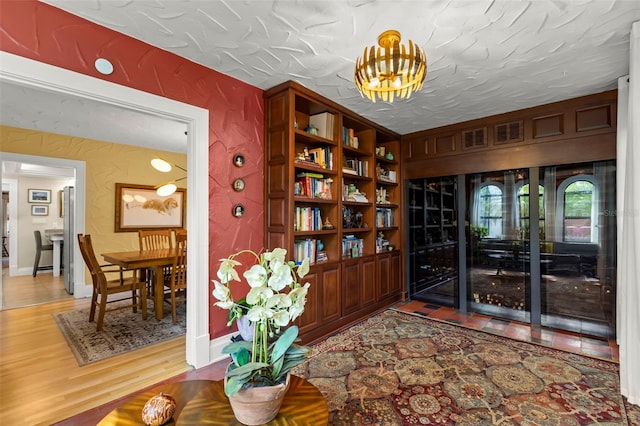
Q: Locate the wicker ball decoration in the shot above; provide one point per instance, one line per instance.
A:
(158, 410)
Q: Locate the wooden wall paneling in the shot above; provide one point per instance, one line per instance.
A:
(598, 117)
(445, 144)
(551, 125)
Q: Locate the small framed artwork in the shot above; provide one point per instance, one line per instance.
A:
(238, 210)
(39, 210)
(39, 196)
(238, 184)
(238, 160)
(140, 207)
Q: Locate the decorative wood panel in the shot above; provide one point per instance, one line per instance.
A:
(445, 144)
(277, 111)
(277, 145)
(476, 138)
(418, 148)
(593, 118)
(276, 213)
(509, 132)
(276, 179)
(552, 125)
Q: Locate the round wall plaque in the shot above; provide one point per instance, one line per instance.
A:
(238, 184)
(238, 160)
(238, 210)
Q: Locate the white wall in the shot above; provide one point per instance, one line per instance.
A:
(28, 223)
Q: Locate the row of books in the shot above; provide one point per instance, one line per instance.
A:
(324, 122)
(312, 185)
(349, 138)
(352, 246)
(307, 219)
(384, 218)
(308, 249)
(322, 157)
(354, 166)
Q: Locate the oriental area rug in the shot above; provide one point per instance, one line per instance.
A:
(122, 331)
(400, 369)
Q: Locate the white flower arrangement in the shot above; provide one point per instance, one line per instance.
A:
(275, 300)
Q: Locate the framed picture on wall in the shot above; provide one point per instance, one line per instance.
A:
(140, 207)
(39, 210)
(39, 196)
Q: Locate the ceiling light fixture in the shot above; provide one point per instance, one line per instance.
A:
(393, 71)
(164, 166)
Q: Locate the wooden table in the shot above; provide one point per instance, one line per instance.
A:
(203, 402)
(143, 259)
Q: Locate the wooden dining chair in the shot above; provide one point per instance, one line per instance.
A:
(155, 239)
(178, 282)
(103, 287)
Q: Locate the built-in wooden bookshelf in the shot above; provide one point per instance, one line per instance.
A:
(333, 195)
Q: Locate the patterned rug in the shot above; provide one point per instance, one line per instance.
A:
(399, 369)
(123, 331)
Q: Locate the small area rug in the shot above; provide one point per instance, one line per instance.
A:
(400, 369)
(123, 331)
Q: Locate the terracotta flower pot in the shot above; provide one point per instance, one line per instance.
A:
(258, 405)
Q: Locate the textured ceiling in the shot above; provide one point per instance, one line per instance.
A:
(484, 56)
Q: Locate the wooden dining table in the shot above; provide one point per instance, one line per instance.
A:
(147, 259)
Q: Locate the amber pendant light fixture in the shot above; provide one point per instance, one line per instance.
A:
(394, 70)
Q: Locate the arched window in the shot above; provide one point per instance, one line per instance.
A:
(490, 209)
(522, 206)
(577, 214)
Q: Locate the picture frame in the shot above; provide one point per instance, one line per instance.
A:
(39, 196)
(238, 160)
(140, 207)
(238, 185)
(238, 210)
(39, 210)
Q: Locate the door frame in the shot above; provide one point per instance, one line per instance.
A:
(33, 74)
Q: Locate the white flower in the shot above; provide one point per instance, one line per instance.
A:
(280, 276)
(281, 318)
(298, 299)
(259, 295)
(303, 269)
(256, 276)
(259, 313)
(226, 272)
(223, 294)
(278, 254)
(279, 301)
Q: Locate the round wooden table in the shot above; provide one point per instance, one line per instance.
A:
(203, 402)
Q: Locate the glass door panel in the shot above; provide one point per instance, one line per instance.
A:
(498, 243)
(432, 240)
(577, 248)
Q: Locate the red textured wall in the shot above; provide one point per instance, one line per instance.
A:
(236, 120)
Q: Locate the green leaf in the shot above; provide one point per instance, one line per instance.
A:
(241, 356)
(284, 342)
(246, 370)
(233, 347)
(233, 386)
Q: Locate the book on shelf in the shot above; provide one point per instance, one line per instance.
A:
(310, 248)
(352, 246)
(307, 219)
(312, 185)
(324, 122)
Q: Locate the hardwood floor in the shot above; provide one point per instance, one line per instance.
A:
(27, 290)
(41, 382)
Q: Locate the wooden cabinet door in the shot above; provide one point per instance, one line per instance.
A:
(384, 284)
(368, 282)
(310, 318)
(350, 287)
(396, 281)
(330, 309)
